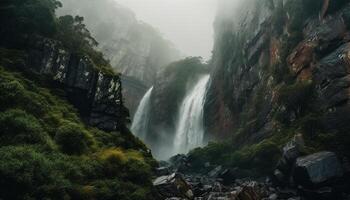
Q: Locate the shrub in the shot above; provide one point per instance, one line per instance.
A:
(138, 172)
(296, 97)
(28, 174)
(210, 153)
(113, 156)
(18, 127)
(260, 158)
(73, 139)
(11, 91)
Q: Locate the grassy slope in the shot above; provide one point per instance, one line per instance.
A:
(47, 152)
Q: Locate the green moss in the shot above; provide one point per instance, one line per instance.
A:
(63, 149)
(73, 139)
(257, 160)
(296, 97)
(18, 127)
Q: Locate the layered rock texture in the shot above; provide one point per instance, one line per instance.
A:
(280, 64)
(97, 94)
(135, 49)
(133, 91)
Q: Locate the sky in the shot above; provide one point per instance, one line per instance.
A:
(188, 24)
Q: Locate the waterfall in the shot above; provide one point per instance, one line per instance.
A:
(190, 131)
(141, 119)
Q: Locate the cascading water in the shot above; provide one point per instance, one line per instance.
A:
(190, 131)
(141, 119)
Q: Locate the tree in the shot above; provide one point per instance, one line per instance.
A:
(22, 18)
(74, 34)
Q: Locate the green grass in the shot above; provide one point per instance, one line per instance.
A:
(47, 152)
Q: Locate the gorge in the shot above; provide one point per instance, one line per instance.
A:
(97, 104)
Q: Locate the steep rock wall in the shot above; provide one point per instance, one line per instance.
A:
(97, 94)
(133, 91)
(277, 63)
(134, 48)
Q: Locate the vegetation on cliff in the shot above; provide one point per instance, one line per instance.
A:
(47, 150)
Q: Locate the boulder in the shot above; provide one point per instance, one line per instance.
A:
(173, 185)
(179, 162)
(163, 171)
(291, 151)
(215, 172)
(251, 191)
(228, 176)
(325, 193)
(316, 169)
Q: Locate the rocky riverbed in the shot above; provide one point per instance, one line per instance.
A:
(318, 176)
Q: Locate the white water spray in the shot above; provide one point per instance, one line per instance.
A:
(141, 119)
(190, 130)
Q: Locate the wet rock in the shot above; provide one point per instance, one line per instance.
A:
(228, 176)
(215, 172)
(273, 197)
(162, 171)
(291, 151)
(325, 193)
(179, 162)
(172, 186)
(320, 36)
(207, 164)
(95, 93)
(251, 191)
(287, 193)
(133, 91)
(221, 196)
(278, 175)
(316, 169)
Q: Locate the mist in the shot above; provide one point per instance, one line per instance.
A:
(186, 23)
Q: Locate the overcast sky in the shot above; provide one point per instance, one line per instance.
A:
(187, 23)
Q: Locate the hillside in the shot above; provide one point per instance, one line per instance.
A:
(63, 128)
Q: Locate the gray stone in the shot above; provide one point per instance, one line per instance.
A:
(273, 197)
(96, 94)
(173, 185)
(215, 172)
(317, 168)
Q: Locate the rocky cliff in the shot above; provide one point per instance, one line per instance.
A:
(133, 91)
(97, 94)
(278, 66)
(134, 48)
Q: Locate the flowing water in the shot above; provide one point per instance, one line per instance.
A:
(141, 119)
(190, 130)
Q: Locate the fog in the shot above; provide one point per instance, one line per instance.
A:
(187, 23)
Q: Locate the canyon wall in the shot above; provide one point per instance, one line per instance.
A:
(279, 66)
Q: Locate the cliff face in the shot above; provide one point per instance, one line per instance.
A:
(279, 64)
(134, 48)
(96, 94)
(133, 91)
